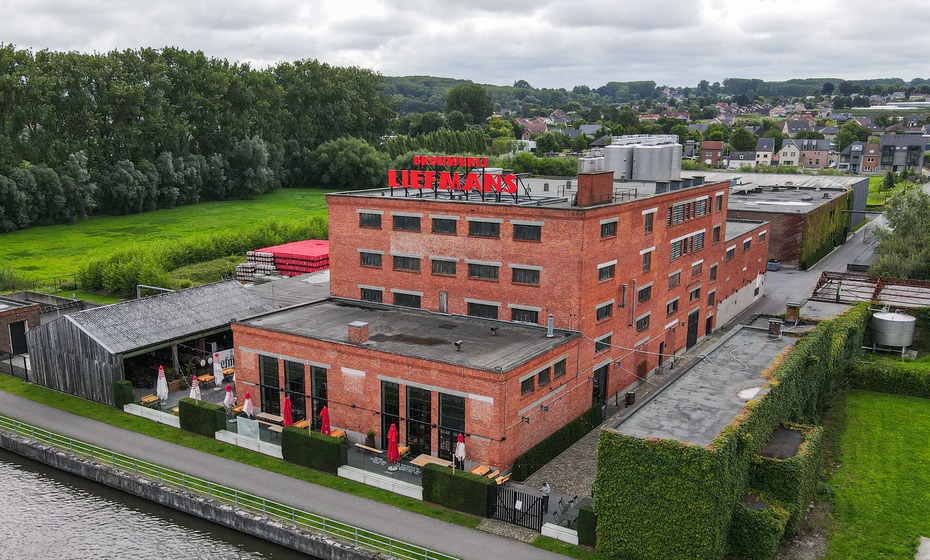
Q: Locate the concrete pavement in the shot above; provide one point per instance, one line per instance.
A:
(465, 543)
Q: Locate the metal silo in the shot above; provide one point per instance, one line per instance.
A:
(647, 163)
(893, 329)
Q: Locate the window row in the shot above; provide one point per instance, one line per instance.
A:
(609, 226)
(687, 245)
(449, 226)
(543, 376)
(475, 309)
(440, 267)
(686, 211)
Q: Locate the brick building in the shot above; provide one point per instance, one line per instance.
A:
(16, 318)
(636, 270)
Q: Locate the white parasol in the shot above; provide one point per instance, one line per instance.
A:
(217, 370)
(230, 400)
(247, 405)
(195, 388)
(161, 387)
(460, 451)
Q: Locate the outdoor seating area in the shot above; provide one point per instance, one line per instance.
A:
(493, 474)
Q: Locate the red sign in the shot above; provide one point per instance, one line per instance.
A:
(451, 180)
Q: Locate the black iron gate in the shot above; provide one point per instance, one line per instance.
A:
(519, 508)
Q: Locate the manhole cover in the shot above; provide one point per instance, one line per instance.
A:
(749, 393)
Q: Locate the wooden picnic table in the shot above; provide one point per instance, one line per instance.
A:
(206, 380)
(481, 470)
(271, 418)
(149, 400)
(302, 424)
(425, 459)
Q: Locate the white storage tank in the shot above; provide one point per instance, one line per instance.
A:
(893, 329)
(619, 159)
(648, 164)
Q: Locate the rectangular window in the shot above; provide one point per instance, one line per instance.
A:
(484, 229)
(522, 232)
(605, 311)
(451, 423)
(319, 389)
(369, 221)
(642, 323)
(602, 343)
(674, 279)
(542, 378)
(606, 272)
(713, 272)
(444, 226)
(718, 202)
(407, 300)
(444, 268)
(419, 420)
(294, 376)
(701, 208)
(609, 229)
(698, 241)
(647, 261)
(525, 276)
(648, 220)
(671, 307)
(644, 294)
(390, 409)
(482, 271)
(524, 316)
(482, 310)
(270, 385)
(716, 236)
(527, 386)
(762, 237)
(370, 259)
(696, 269)
(694, 294)
(746, 245)
(731, 252)
(369, 294)
(411, 264)
(558, 370)
(407, 223)
(710, 298)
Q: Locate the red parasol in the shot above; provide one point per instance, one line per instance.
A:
(288, 415)
(393, 455)
(324, 416)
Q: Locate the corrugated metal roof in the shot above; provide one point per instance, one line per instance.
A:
(131, 325)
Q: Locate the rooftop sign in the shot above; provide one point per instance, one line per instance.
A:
(460, 175)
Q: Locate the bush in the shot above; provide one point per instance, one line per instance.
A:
(313, 449)
(201, 417)
(755, 533)
(887, 376)
(548, 449)
(462, 491)
(122, 393)
(587, 526)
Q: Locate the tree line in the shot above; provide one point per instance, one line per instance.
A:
(135, 130)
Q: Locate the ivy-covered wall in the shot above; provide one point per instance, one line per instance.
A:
(824, 228)
(666, 500)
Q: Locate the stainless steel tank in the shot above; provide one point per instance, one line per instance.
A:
(893, 329)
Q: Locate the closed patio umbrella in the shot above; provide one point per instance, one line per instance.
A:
(161, 387)
(324, 416)
(195, 388)
(460, 451)
(247, 405)
(288, 415)
(393, 455)
(229, 401)
(217, 369)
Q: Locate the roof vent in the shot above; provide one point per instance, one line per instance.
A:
(358, 332)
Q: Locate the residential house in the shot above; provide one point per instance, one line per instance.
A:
(738, 159)
(829, 132)
(870, 158)
(765, 151)
(794, 126)
(712, 152)
(851, 158)
(790, 153)
(901, 151)
(815, 153)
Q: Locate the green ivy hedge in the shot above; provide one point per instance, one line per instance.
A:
(462, 491)
(122, 393)
(313, 449)
(587, 526)
(886, 376)
(791, 481)
(667, 500)
(548, 449)
(201, 417)
(755, 533)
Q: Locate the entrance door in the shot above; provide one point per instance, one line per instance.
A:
(661, 352)
(599, 385)
(693, 318)
(709, 325)
(443, 302)
(18, 337)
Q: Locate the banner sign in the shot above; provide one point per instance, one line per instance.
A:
(478, 181)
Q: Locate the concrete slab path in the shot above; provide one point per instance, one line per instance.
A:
(455, 540)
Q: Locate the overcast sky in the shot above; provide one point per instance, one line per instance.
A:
(549, 43)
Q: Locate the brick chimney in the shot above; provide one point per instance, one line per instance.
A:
(358, 332)
(595, 188)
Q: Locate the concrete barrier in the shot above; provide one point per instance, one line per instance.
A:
(153, 414)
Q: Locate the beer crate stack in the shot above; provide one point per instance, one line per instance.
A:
(245, 272)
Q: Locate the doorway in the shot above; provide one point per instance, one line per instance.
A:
(599, 385)
(18, 337)
(693, 319)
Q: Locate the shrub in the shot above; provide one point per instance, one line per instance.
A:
(462, 491)
(587, 526)
(887, 376)
(546, 450)
(201, 417)
(755, 533)
(313, 449)
(122, 393)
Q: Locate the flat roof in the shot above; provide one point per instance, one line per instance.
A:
(417, 333)
(739, 228)
(698, 406)
(850, 288)
(294, 290)
(8, 304)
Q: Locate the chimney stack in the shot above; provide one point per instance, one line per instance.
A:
(358, 332)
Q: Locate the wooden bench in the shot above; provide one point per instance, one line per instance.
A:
(303, 424)
(502, 479)
(493, 474)
(149, 400)
(206, 380)
(337, 433)
(481, 470)
(176, 411)
(275, 429)
(363, 447)
(237, 410)
(402, 450)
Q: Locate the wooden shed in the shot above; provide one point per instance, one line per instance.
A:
(84, 354)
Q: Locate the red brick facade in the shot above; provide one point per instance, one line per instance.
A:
(28, 314)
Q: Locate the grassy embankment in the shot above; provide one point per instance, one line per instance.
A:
(878, 196)
(109, 415)
(48, 258)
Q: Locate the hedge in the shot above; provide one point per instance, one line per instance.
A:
(462, 491)
(663, 499)
(313, 449)
(122, 393)
(548, 449)
(755, 533)
(791, 481)
(887, 376)
(201, 417)
(587, 526)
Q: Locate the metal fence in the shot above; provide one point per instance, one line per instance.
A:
(329, 528)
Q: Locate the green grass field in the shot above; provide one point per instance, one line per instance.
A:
(882, 485)
(878, 197)
(45, 254)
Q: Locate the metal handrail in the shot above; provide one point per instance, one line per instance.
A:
(328, 528)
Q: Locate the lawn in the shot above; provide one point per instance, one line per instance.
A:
(882, 485)
(878, 196)
(52, 254)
